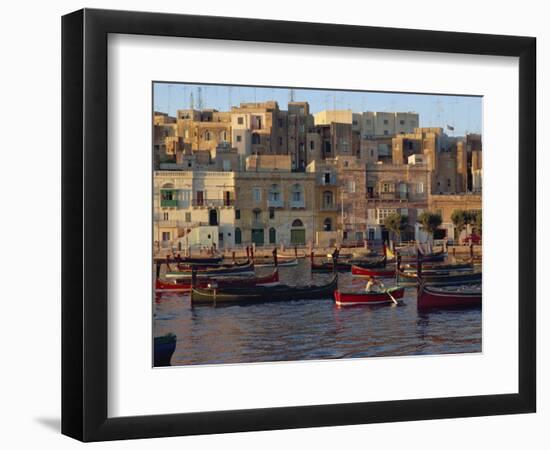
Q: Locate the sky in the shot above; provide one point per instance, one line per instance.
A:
(463, 113)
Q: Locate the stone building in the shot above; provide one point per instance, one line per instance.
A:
(184, 202)
(376, 124)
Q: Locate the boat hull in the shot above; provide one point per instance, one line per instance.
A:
(367, 298)
(429, 298)
(185, 285)
(358, 271)
(260, 294)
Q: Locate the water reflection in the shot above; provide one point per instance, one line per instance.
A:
(311, 329)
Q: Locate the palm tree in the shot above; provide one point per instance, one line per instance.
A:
(429, 222)
(396, 223)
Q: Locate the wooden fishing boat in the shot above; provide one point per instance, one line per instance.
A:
(179, 285)
(429, 257)
(290, 263)
(441, 277)
(429, 297)
(358, 271)
(233, 270)
(192, 260)
(164, 347)
(258, 294)
(368, 298)
(426, 268)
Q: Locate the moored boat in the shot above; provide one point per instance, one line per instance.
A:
(290, 263)
(257, 294)
(430, 297)
(368, 298)
(164, 347)
(441, 277)
(175, 285)
(234, 270)
(372, 271)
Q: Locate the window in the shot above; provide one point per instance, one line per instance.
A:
(237, 214)
(257, 194)
(165, 216)
(386, 132)
(274, 193)
(239, 138)
(401, 122)
(385, 212)
(296, 193)
(200, 198)
(188, 217)
(327, 224)
(226, 165)
(388, 187)
(280, 123)
(207, 136)
(257, 214)
(255, 138)
(311, 145)
(351, 186)
(327, 178)
(420, 188)
(240, 120)
(297, 223)
(272, 213)
(327, 199)
(238, 238)
(165, 235)
(302, 128)
(223, 136)
(385, 121)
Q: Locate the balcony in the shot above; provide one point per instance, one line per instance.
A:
(275, 204)
(212, 203)
(168, 203)
(329, 207)
(297, 204)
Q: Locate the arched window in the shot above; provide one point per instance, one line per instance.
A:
(297, 223)
(327, 224)
(327, 199)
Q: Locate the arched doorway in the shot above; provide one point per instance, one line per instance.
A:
(272, 236)
(327, 224)
(298, 233)
(213, 217)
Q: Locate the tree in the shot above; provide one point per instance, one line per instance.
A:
(396, 223)
(459, 219)
(477, 220)
(429, 222)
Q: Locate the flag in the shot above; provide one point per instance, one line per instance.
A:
(450, 128)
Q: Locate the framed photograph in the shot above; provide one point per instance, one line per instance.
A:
(273, 225)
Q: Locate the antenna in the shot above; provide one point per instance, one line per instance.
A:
(291, 95)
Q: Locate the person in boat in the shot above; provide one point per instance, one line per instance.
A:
(372, 283)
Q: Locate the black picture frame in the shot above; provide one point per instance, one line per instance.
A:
(84, 224)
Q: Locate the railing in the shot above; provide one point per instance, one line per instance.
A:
(275, 204)
(329, 207)
(213, 202)
(297, 204)
(165, 203)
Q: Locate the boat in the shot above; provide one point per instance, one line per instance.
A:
(175, 285)
(232, 270)
(426, 268)
(441, 277)
(292, 262)
(429, 297)
(372, 271)
(368, 298)
(429, 257)
(258, 294)
(164, 347)
(192, 260)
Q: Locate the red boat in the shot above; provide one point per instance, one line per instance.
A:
(372, 272)
(429, 297)
(368, 298)
(185, 285)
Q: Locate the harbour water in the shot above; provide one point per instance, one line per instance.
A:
(311, 329)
